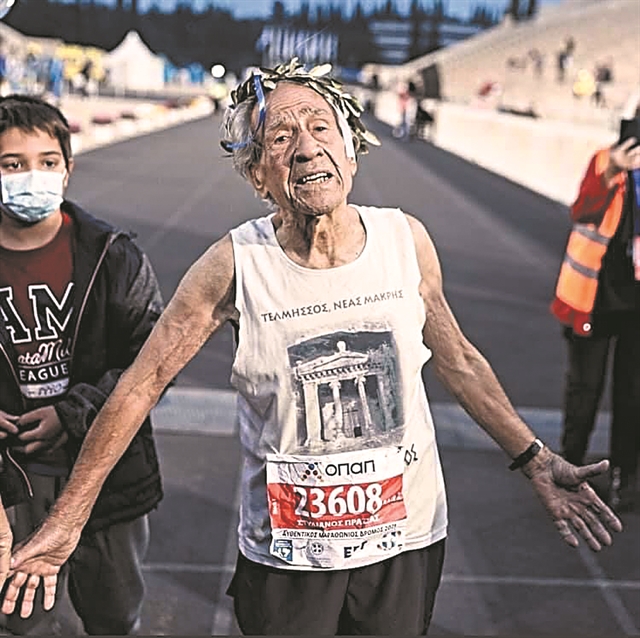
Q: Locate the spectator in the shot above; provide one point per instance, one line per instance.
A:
(55, 84)
(598, 97)
(565, 58)
(604, 71)
(78, 299)
(406, 104)
(538, 61)
(598, 301)
(570, 46)
(424, 120)
(561, 66)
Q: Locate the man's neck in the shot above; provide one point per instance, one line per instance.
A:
(324, 241)
(16, 236)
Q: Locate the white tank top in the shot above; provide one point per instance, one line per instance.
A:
(340, 464)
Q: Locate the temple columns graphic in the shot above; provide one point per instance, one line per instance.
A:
(347, 394)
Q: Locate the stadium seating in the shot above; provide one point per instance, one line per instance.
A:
(602, 30)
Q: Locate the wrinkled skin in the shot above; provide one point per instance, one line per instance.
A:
(572, 503)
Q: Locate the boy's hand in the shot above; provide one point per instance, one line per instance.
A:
(8, 425)
(47, 433)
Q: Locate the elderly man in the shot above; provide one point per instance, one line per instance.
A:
(337, 308)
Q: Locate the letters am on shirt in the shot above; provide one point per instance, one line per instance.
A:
(41, 338)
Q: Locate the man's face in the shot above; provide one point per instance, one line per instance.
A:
(303, 166)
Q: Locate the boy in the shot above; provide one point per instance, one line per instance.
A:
(78, 299)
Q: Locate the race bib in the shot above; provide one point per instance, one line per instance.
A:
(336, 509)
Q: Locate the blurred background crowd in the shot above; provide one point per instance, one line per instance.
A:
(575, 60)
(504, 64)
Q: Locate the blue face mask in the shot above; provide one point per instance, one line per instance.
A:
(32, 196)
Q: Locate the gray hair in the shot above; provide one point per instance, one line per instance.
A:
(237, 132)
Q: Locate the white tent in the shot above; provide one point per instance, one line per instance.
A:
(133, 66)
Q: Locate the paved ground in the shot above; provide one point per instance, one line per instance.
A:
(506, 572)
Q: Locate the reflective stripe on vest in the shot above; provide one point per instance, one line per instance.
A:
(578, 280)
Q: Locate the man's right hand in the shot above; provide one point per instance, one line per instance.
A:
(30, 583)
(40, 555)
(6, 541)
(15, 581)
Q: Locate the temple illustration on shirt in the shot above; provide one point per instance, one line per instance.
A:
(346, 389)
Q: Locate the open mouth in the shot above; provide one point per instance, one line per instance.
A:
(314, 178)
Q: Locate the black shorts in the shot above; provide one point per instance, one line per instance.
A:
(393, 597)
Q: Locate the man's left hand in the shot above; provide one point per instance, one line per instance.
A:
(572, 503)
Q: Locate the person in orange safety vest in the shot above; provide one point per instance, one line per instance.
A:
(597, 298)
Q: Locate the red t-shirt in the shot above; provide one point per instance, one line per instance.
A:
(36, 300)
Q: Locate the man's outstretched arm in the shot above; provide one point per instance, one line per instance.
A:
(203, 302)
(570, 501)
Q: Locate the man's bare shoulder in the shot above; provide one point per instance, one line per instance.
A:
(211, 278)
(219, 256)
(425, 249)
(419, 231)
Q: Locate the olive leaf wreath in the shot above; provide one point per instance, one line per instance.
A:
(316, 79)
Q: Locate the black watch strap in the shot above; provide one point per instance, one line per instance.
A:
(527, 455)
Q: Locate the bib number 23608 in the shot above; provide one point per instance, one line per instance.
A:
(337, 509)
(317, 502)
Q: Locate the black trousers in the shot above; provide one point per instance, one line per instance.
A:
(102, 583)
(585, 382)
(393, 597)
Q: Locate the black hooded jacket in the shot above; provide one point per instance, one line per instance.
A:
(117, 302)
